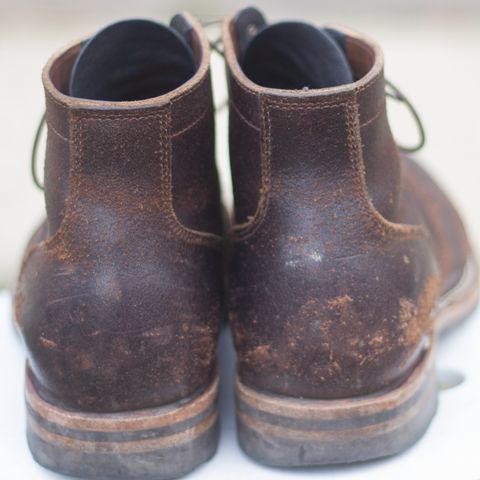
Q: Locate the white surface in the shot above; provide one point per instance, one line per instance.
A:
(449, 450)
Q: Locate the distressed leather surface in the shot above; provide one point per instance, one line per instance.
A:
(435, 210)
(120, 293)
(340, 247)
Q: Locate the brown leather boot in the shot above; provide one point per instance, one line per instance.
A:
(347, 259)
(119, 296)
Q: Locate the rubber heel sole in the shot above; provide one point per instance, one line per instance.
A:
(289, 432)
(158, 443)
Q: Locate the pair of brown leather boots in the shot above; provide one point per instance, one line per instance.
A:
(344, 259)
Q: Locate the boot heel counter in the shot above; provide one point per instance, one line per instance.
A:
(110, 340)
(337, 327)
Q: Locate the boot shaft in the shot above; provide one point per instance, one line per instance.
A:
(147, 155)
(318, 135)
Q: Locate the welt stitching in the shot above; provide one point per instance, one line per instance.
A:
(372, 118)
(240, 114)
(76, 146)
(178, 229)
(138, 116)
(247, 229)
(266, 171)
(358, 167)
(185, 234)
(165, 175)
(86, 112)
(191, 125)
(381, 225)
(281, 105)
(86, 116)
(56, 132)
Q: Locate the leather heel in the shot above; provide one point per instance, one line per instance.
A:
(292, 432)
(161, 443)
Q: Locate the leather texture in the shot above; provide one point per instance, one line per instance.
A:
(341, 247)
(120, 293)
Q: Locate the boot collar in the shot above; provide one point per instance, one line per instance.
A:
(365, 58)
(185, 101)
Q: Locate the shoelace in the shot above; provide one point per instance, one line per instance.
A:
(391, 91)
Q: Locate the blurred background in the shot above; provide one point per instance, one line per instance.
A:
(432, 50)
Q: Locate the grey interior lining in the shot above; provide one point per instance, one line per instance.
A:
(294, 55)
(132, 60)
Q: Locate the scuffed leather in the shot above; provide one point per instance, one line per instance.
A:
(333, 273)
(437, 213)
(119, 301)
